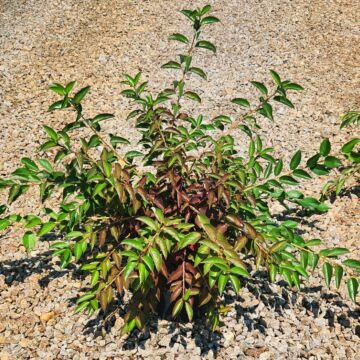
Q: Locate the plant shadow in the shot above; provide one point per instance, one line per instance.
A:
(20, 270)
(168, 333)
(259, 286)
(347, 192)
(178, 332)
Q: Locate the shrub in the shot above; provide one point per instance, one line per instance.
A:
(347, 165)
(177, 222)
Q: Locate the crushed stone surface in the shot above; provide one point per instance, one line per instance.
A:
(314, 43)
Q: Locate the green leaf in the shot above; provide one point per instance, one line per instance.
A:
(29, 164)
(59, 89)
(339, 271)
(203, 220)
(260, 86)
(268, 170)
(352, 286)
(279, 246)
(325, 147)
(78, 250)
(214, 260)
(240, 101)
(313, 242)
(237, 270)
(143, 273)
(94, 277)
(309, 202)
(294, 194)
(301, 174)
(235, 283)
(51, 133)
(81, 94)
(47, 145)
(205, 10)
(129, 93)
(351, 117)
(287, 276)
(296, 280)
(99, 188)
(133, 154)
(313, 260)
(179, 37)
(349, 146)
(327, 270)
(65, 258)
(134, 243)
(4, 223)
(149, 222)
(273, 272)
(209, 20)
(295, 161)
(115, 140)
(177, 307)
(189, 239)
(206, 45)
(313, 161)
(275, 77)
(172, 232)
(278, 167)
(288, 180)
(81, 307)
(156, 256)
(59, 245)
(158, 214)
(222, 281)
(352, 263)
(29, 241)
(24, 174)
(251, 148)
(101, 117)
(14, 193)
(129, 268)
(171, 65)
(334, 252)
(46, 165)
(267, 111)
(198, 72)
(70, 86)
(320, 170)
(46, 228)
(189, 311)
(73, 235)
(149, 262)
(300, 269)
(85, 297)
(332, 162)
(292, 86)
(192, 96)
(56, 105)
(304, 259)
(284, 100)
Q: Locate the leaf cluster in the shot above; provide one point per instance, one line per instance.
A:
(182, 217)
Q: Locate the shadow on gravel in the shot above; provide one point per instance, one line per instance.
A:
(179, 332)
(278, 302)
(348, 192)
(19, 270)
(301, 217)
(172, 333)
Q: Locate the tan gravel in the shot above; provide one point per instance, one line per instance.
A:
(314, 43)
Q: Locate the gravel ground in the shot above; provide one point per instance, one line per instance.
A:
(315, 43)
